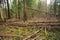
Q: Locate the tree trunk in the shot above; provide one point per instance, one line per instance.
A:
(8, 9)
(25, 15)
(18, 10)
(1, 12)
(55, 5)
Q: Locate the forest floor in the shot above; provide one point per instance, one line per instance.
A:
(29, 33)
(24, 32)
(18, 21)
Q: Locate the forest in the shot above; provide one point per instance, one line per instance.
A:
(29, 19)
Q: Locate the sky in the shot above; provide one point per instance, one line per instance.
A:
(48, 1)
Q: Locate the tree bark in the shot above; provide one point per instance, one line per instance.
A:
(8, 9)
(18, 11)
(55, 5)
(25, 15)
(1, 13)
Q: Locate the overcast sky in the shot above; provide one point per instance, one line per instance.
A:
(48, 1)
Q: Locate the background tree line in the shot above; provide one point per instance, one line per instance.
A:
(20, 9)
